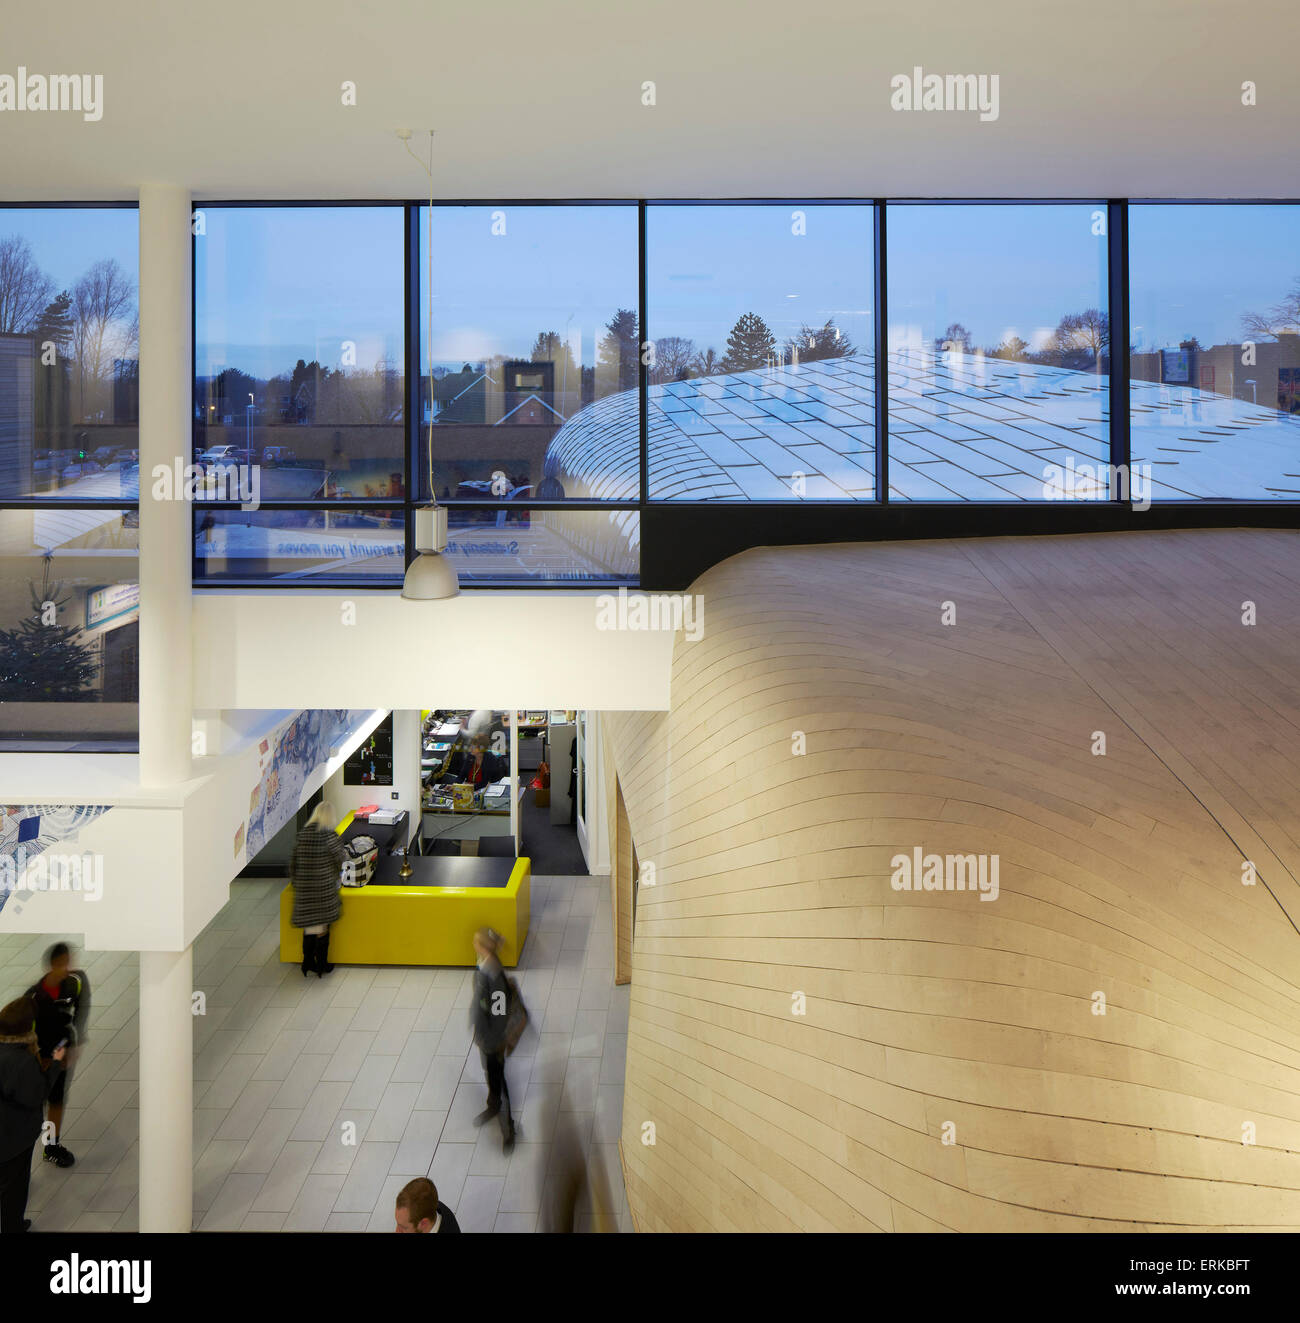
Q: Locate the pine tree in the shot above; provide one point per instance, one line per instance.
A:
(751, 344)
(814, 343)
(55, 324)
(617, 363)
(53, 398)
(42, 663)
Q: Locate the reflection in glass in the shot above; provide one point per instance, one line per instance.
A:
(299, 544)
(299, 348)
(1214, 400)
(69, 628)
(534, 322)
(762, 384)
(69, 337)
(999, 349)
(521, 546)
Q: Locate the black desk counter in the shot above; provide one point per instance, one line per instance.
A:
(385, 836)
(436, 870)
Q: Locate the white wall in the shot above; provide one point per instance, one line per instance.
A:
(152, 840)
(406, 777)
(478, 650)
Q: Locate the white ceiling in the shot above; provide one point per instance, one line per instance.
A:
(241, 99)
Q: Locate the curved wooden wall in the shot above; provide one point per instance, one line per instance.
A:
(1120, 874)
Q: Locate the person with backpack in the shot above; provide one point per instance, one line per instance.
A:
(316, 871)
(489, 1018)
(24, 1086)
(62, 1001)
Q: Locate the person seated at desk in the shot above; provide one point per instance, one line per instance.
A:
(477, 766)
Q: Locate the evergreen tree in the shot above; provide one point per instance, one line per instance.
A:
(42, 663)
(618, 362)
(55, 324)
(812, 344)
(53, 396)
(751, 344)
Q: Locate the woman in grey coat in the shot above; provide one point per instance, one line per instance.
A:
(316, 873)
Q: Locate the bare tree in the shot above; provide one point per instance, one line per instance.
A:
(1082, 337)
(706, 363)
(25, 290)
(1281, 319)
(674, 359)
(101, 299)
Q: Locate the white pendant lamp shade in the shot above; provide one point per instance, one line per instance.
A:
(430, 575)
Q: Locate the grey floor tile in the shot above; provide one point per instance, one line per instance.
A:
(580, 1084)
(479, 1199)
(316, 1120)
(394, 1112)
(608, 1121)
(213, 1169)
(525, 1179)
(366, 1178)
(347, 1060)
(515, 1222)
(256, 1221)
(246, 1115)
(267, 1141)
(285, 1180)
(314, 1204)
(450, 1170)
(588, 1034)
(338, 1149)
(419, 1140)
(348, 1222)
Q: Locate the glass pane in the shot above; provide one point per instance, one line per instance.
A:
(762, 386)
(534, 327)
(297, 544)
(1214, 400)
(518, 545)
(299, 348)
(69, 628)
(69, 337)
(998, 353)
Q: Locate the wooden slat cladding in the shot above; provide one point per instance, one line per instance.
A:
(828, 721)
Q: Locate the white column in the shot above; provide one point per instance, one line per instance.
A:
(166, 542)
(166, 977)
(166, 1090)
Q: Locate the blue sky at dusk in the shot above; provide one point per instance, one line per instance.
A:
(275, 284)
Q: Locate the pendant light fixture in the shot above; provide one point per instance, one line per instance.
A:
(431, 575)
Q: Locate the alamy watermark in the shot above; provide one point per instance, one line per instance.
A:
(26, 92)
(950, 92)
(219, 481)
(52, 870)
(945, 872)
(1098, 482)
(652, 611)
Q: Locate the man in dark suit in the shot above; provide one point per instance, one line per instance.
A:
(418, 1209)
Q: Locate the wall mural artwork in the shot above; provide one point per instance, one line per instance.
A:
(287, 759)
(28, 830)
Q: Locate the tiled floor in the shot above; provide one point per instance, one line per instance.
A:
(316, 1100)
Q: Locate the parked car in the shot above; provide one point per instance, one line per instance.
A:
(221, 455)
(104, 455)
(278, 455)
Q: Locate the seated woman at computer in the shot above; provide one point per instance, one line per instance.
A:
(477, 766)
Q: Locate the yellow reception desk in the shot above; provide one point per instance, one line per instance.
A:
(427, 919)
